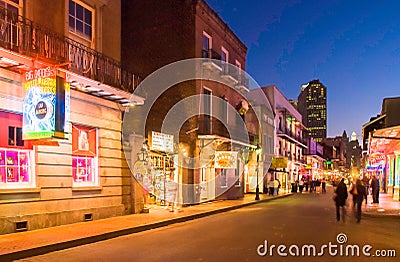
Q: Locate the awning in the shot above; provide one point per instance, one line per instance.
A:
(386, 140)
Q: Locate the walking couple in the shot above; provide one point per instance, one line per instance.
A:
(341, 195)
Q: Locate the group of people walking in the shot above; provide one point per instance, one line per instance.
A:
(359, 191)
(315, 185)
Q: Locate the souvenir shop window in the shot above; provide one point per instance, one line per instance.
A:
(222, 178)
(84, 156)
(16, 168)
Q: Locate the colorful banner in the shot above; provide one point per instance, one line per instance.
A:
(225, 159)
(39, 103)
(46, 104)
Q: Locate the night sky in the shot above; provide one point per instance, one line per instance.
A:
(352, 47)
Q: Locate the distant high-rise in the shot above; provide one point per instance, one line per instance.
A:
(312, 106)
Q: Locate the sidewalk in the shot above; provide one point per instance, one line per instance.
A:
(36, 242)
(386, 207)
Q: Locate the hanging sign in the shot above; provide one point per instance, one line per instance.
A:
(225, 159)
(162, 142)
(46, 104)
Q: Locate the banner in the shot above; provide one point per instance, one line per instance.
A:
(225, 159)
(46, 104)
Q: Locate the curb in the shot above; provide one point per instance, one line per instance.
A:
(109, 235)
(375, 215)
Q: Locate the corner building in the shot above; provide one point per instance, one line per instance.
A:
(158, 33)
(62, 95)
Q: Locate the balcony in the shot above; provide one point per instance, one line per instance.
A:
(243, 82)
(287, 134)
(230, 73)
(212, 126)
(212, 60)
(29, 42)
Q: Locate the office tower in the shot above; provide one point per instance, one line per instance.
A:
(312, 107)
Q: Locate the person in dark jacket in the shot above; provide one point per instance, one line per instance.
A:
(375, 190)
(340, 199)
(358, 198)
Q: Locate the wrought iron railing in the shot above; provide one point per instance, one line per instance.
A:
(23, 36)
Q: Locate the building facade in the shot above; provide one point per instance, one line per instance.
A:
(187, 30)
(288, 160)
(381, 147)
(62, 96)
(311, 104)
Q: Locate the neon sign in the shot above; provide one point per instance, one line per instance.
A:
(376, 161)
(45, 107)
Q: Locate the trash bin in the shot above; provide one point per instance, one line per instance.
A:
(294, 187)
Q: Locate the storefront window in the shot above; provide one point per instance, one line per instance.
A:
(16, 168)
(84, 156)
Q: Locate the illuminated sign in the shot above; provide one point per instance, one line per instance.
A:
(279, 162)
(377, 159)
(46, 104)
(162, 142)
(225, 159)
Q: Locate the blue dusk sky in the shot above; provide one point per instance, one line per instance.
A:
(351, 46)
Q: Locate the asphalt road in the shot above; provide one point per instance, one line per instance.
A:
(296, 223)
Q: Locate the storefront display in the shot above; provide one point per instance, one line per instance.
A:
(84, 156)
(15, 168)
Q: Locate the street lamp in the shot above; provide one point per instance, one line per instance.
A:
(143, 155)
(258, 152)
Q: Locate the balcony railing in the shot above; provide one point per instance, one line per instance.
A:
(23, 36)
(291, 135)
(211, 54)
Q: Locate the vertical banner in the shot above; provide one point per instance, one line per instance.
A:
(45, 104)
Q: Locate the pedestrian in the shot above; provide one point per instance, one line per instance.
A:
(366, 183)
(171, 188)
(312, 185)
(375, 190)
(358, 197)
(301, 185)
(340, 199)
(271, 187)
(277, 185)
(354, 192)
(323, 185)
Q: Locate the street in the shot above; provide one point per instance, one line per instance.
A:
(302, 219)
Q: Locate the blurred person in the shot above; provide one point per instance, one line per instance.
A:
(323, 186)
(375, 190)
(340, 199)
(358, 198)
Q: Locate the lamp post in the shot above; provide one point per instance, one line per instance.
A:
(258, 152)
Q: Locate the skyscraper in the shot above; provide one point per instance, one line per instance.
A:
(312, 107)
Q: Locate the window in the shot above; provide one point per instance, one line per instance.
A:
(207, 110)
(207, 44)
(9, 20)
(15, 136)
(224, 55)
(16, 168)
(84, 156)
(80, 19)
(222, 178)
